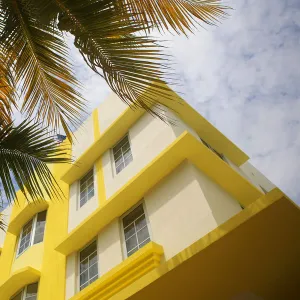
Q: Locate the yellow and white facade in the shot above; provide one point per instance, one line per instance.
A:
(153, 210)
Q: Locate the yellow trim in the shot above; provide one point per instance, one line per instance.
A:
(98, 163)
(121, 125)
(25, 214)
(204, 128)
(208, 240)
(134, 267)
(17, 281)
(186, 146)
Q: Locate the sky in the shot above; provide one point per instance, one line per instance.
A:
(243, 76)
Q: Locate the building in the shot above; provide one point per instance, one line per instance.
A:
(153, 210)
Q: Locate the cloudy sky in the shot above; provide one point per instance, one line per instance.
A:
(244, 77)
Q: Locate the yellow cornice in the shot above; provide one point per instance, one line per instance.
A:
(17, 281)
(185, 147)
(134, 267)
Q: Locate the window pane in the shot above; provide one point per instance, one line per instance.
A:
(93, 271)
(88, 265)
(25, 237)
(84, 277)
(31, 293)
(88, 250)
(93, 258)
(17, 297)
(122, 154)
(143, 234)
(86, 188)
(84, 265)
(137, 212)
(40, 227)
(131, 243)
(90, 195)
(129, 231)
(140, 222)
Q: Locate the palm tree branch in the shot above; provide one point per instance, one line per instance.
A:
(40, 66)
(25, 151)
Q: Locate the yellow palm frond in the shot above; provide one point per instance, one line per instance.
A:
(37, 54)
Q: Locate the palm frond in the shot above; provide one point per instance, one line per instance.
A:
(179, 15)
(37, 54)
(25, 151)
(109, 41)
(7, 92)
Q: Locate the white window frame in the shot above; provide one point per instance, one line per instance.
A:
(78, 187)
(123, 240)
(78, 262)
(113, 157)
(24, 291)
(34, 221)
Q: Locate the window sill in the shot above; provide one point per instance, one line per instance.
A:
(134, 267)
(18, 280)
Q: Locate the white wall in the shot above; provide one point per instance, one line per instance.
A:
(5, 218)
(186, 206)
(257, 177)
(178, 126)
(78, 214)
(83, 137)
(110, 110)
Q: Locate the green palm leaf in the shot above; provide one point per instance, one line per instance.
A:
(37, 54)
(25, 151)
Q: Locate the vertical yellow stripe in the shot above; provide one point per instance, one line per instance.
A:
(98, 164)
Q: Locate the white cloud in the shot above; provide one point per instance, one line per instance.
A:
(244, 77)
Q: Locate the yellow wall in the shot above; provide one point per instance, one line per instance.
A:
(50, 262)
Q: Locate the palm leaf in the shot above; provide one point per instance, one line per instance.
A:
(179, 15)
(7, 92)
(25, 151)
(109, 41)
(37, 54)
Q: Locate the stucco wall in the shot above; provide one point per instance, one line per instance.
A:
(83, 137)
(110, 110)
(257, 177)
(78, 214)
(5, 218)
(33, 257)
(186, 206)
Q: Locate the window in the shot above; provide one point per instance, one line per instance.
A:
(122, 154)
(86, 188)
(28, 293)
(88, 265)
(136, 233)
(32, 233)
